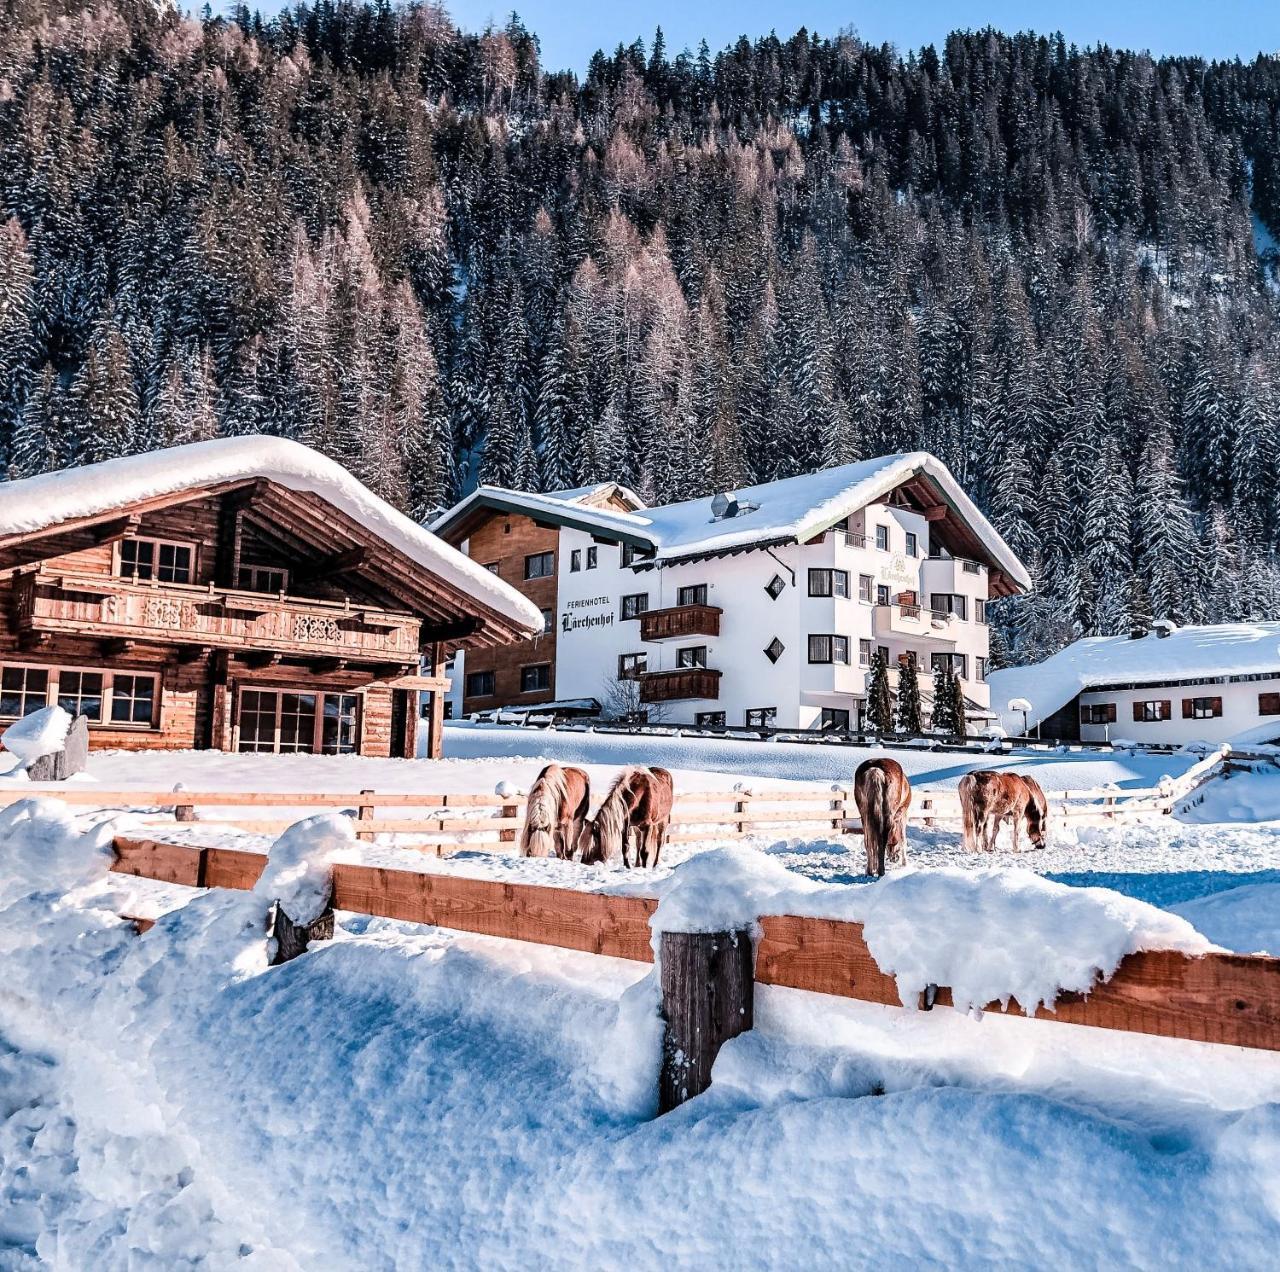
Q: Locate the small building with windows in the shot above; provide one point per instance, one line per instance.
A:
(1164, 685)
(242, 594)
(760, 607)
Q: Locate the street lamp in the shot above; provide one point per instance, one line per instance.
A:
(1021, 704)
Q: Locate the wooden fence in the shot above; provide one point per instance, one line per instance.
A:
(1214, 998)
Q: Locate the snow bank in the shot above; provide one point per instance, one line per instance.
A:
(41, 733)
(991, 934)
(1252, 796)
(1244, 919)
(299, 869)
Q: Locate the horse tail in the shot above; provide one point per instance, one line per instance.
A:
(542, 813)
(968, 812)
(881, 814)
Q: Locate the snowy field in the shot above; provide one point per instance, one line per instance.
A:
(406, 1097)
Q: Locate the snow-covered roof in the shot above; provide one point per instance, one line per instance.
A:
(790, 510)
(72, 494)
(1186, 653)
(597, 494)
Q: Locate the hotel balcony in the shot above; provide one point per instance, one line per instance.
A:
(683, 683)
(915, 622)
(108, 608)
(680, 622)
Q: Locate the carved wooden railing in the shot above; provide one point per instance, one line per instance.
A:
(685, 682)
(679, 621)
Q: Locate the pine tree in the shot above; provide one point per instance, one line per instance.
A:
(944, 710)
(879, 707)
(909, 713)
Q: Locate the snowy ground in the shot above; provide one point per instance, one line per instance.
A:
(404, 1097)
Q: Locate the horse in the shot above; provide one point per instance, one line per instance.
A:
(556, 812)
(988, 798)
(883, 795)
(632, 820)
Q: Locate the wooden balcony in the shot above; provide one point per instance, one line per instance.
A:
(673, 686)
(109, 608)
(679, 622)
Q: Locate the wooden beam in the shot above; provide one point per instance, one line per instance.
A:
(117, 645)
(327, 666)
(259, 659)
(335, 563)
(935, 512)
(457, 630)
(122, 528)
(193, 653)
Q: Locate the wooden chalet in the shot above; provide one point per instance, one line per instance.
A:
(243, 594)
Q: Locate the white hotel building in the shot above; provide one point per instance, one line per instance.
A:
(759, 607)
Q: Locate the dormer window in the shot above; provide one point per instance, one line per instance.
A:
(160, 559)
(262, 578)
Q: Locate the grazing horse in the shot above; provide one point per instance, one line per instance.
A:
(632, 821)
(988, 798)
(556, 812)
(883, 795)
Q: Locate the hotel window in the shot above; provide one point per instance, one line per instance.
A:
(882, 594)
(774, 650)
(882, 538)
(480, 684)
(115, 697)
(1268, 704)
(913, 544)
(540, 565)
(635, 604)
(548, 620)
(948, 603)
(692, 656)
(592, 557)
(1098, 713)
(575, 561)
(864, 653)
(631, 553)
(694, 594)
(761, 717)
(1161, 709)
(959, 664)
(632, 666)
(883, 651)
(775, 586)
(971, 567)
(980, 611)
(709, 719)
(536, 678)
(834, 720)
(828, 583)
(159, 559)
(1201, 708)
(828, 649)
(865, 585)
(979, 668)
(261, 578)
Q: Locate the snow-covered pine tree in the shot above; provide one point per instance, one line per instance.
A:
(879, 708)
(909, 719)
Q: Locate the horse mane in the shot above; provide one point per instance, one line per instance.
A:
(543, 813)
(611, 816)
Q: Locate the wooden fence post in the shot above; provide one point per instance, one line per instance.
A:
(507, 835)
(293, 938)
(364, 812)
(926, 805)
(708, 997)
(741, 823)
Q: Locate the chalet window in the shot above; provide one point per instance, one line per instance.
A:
(828, 649)
(980, 611)
(865, 584)
(575, 562)
(160, 559)
(709, 719)
(959, 664)
(828, 583)
(1098, 713)
(913, 544)
(548, 620)
(536, 678)
(80, 693)
(1269, 704)
(282, 721)
(761, 717)
(262, 578)
(635, 604)
(834, 719)
(694, 594)
(1156, 709)
(103, 697)
(632, 666)
(1201, 708)
(339, 726)
(592, 557)
(540, 565)
(882, 594)
(480, 684)
(882, 538)
(692, 656)
(979, 668)
(864, 653)
(775, 588)
(774, 650)
(948, 603)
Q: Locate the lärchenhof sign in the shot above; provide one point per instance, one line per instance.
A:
(598, 613)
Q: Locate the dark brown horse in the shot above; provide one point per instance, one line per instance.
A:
(632, 820)
(988, 798)
(556, 812)
(883, 795)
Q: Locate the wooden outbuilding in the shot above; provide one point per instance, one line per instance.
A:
(243, 594)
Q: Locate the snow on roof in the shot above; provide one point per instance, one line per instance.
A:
(1187, 653)
(602, 490)
(792, 509)
(40, 503)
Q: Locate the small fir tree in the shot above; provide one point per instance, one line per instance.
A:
(958, 711)
(909, 718)
(879, 705)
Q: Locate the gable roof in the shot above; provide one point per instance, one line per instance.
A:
(1186, 653)
(42, 504)
(791, 510)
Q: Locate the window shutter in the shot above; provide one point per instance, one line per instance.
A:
(1111, 713)
(1188, 709)
(1084, 714)
(1217, 706)
(1137, 711)
(1166, 709)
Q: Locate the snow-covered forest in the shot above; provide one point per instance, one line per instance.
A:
(439, 261)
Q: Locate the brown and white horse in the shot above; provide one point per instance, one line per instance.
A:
(883, 795)
(988, 798)
(632, 820)
(556, 812)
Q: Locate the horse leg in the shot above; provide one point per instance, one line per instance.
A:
(1016, 823)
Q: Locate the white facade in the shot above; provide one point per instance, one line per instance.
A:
(1204, 711)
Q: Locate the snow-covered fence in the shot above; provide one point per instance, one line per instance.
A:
(1213, 998)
